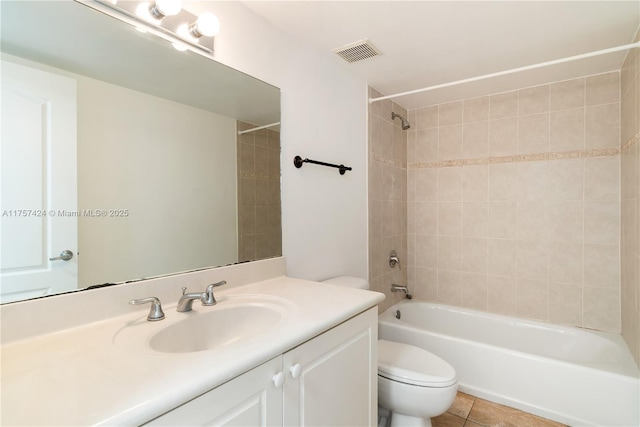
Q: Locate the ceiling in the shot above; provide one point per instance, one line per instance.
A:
(425, 43)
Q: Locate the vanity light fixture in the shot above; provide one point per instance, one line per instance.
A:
(166, 19)
(161, 8)
(207, 25)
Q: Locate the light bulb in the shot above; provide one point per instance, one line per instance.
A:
(162, 8)
(207, 25)
(179, 46)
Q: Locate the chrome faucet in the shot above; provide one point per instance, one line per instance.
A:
(398, 288)
(185, 303)
(155, 312)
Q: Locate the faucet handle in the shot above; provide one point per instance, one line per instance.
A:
(155, 312)
(207, 296)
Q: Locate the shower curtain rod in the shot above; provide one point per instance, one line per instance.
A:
(258, 128)
(514, 70)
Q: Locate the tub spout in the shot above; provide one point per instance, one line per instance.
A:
(398, 288)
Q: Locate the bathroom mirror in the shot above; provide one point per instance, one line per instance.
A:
(121, 158)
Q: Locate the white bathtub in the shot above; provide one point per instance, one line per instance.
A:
(571, 375)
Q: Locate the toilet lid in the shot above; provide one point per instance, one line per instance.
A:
(413, 365)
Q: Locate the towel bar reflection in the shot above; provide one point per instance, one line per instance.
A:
(298, 161)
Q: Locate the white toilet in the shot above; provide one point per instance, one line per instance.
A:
(414, 384)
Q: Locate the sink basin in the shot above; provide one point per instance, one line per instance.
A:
(206, 328)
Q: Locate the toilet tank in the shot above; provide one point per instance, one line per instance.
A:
(349, 281)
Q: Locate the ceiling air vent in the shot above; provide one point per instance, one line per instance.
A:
(357, 51)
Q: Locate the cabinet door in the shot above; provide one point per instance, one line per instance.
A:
(252, 399)
(332, 379)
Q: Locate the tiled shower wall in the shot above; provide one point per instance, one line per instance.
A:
(513, 202)
(259, 218)
(630, 253)
(387, 198)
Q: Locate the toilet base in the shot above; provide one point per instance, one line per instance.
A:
(401, 420)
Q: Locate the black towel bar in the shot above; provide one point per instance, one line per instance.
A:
(298, 161)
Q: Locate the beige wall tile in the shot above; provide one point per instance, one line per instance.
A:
(532, 262)
(450, 219)
(501, 295)
(602, 178)
(426, 145)
(603, 88)
(476, 109)
(449, 257)
(602, 222)
(533, 100)
(566, 262)
(566, 221)
(602, 266)
(475, 140)
(426, 284)
(532, 299)
(503, 183)
(450, 114)
(532, 221)
(474, 255)
(475, 183)
(602, 309)
(450, 142)
(602, 126)
(566, 179)
(567, 130)
(427, 117)
(567, 94)
(533, 133)
(392, 183)
(502, 220)
(565, 304)
(393, 218)
(501, 257)
(533, 181)
(426, 218)
(504, 105)
(473, 291)
(449, 287)
(475, 217)
(450, 184)
(426, 185)
(503, 137)
(426, 251)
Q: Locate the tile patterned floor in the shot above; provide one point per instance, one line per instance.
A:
(470, 411)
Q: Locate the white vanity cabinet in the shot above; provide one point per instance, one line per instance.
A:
(330, 380)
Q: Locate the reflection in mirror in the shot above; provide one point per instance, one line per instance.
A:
(125, 152)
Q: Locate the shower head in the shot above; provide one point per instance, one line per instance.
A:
(405, 123)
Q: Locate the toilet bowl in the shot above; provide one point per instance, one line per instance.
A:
(414, 384)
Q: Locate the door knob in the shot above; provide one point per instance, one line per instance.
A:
(295, 370)
(65, 255)
(278, 379)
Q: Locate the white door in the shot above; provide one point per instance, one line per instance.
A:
(252, 399)
(38, 202)
(332, 379)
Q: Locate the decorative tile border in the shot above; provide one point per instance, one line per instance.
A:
(577, 154)
(244, 174)
(631, 142)
(516, 158)
(389, 162)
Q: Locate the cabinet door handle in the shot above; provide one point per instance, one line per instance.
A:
(278, 379)
(296, 370)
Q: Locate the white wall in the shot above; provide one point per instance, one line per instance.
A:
(324, 110)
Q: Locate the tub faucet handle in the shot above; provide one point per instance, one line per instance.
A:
(394, 260)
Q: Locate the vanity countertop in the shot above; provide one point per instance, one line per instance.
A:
(104, 373)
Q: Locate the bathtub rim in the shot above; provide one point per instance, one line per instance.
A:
(630, 372)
